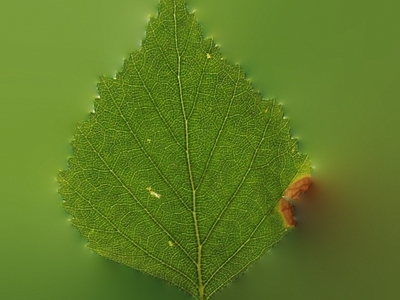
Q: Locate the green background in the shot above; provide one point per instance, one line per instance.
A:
(333, 64)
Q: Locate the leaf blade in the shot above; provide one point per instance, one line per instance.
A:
(179, 171)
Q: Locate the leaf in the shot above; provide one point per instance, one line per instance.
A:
(180, 169)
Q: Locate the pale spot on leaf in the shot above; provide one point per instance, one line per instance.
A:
(153, 193)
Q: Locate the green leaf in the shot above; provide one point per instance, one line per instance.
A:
(180, 170)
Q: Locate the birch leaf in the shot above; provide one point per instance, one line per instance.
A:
(180, 170)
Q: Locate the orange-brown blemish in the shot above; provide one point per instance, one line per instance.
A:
(286, 210)
(293, 191)
(298, 187)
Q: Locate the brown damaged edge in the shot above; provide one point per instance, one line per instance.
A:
(293, 192)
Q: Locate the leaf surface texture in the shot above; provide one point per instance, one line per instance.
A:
(179, 170)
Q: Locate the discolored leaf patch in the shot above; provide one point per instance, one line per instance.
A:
(294, 190)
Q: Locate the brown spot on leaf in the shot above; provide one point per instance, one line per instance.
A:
(292, 192)
(298, 187)
(286, 210)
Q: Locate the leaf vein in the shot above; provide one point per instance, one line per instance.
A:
(136, 199)
(240, 184)
(144, 150)
(127, 238)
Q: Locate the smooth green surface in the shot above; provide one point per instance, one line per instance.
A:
(334, 66)
(179, 170)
